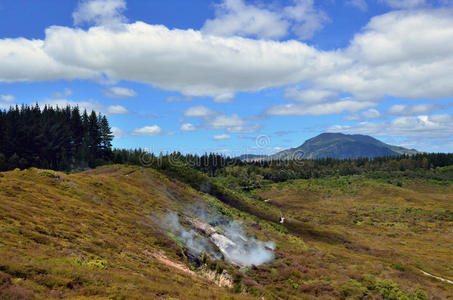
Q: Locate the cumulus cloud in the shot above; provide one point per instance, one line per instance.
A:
(309, 95)
(26, 60)
(232, 124)
(366, 114)
(221, 137)
(434, 126)
(148, 130)
(404, 54)
(188, 61)
(86, 105)
(409, 110)
(188, 127)
(199, 112)
(83, 105)
(5, 105)
(340, 106)
(100, 12)
(236, 17)
(371, 113)
(119, 92)
(7, 98)
(220, 121)
(118, 133)
(117, 109)
(224, 98)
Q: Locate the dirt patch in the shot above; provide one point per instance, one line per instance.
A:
(437, 277)
(222, 280)
(161, 257)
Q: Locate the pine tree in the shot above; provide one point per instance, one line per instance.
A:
(55, 138)
(106, 139)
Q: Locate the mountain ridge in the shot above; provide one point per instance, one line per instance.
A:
(338, 146)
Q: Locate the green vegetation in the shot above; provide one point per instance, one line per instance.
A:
(346, 229)
(53, 138)
(93, 235)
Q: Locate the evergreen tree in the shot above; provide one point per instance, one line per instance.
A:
(53, 137)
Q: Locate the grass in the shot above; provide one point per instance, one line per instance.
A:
(87, 235)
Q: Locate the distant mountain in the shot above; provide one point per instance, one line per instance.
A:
(340, 146)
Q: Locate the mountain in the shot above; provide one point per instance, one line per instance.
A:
(251, 157)
(342, 146)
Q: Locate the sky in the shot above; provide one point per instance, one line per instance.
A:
(237, 76)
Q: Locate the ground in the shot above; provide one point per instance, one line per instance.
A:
(93, 235)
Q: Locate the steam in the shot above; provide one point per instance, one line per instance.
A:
(193, 241)
(247, 250)
(228, 240)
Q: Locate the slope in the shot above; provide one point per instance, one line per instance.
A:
(342, 146)
(96, 235)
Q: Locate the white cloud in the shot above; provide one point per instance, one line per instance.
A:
(199, 112)
(5, 106)
(435, 126)
(117, 109)
(337, 107)
(7, 98)
(405, 3)
(232, 124)
(83, 105)
(188, 61)
(118, 133)
(309, 95)
(100, 12)
(221, 137)
(86, 105)
(403, 54)
(409, 110)
(188, 127)
(371, 113)
(307, 19)
(216, 120)
(367, 114)
(360, 4)
(148, 130)
(224, 98)
(26, 60)
(66, 93)
(223, 121)
(235, 17)
(120, 92)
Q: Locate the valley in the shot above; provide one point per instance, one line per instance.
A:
(95, 235)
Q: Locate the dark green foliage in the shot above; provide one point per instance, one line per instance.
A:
(237, 174)
(53, 138)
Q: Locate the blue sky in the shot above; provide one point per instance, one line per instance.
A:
(237, 76)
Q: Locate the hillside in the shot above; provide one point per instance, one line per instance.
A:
(342, 146)
(120, 232)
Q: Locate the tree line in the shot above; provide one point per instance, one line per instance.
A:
(251, 174)
(67, 139)
(53, 138)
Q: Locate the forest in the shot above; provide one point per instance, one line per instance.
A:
(69, 140)
(53, 138)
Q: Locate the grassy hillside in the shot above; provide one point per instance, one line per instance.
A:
(94, 235)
